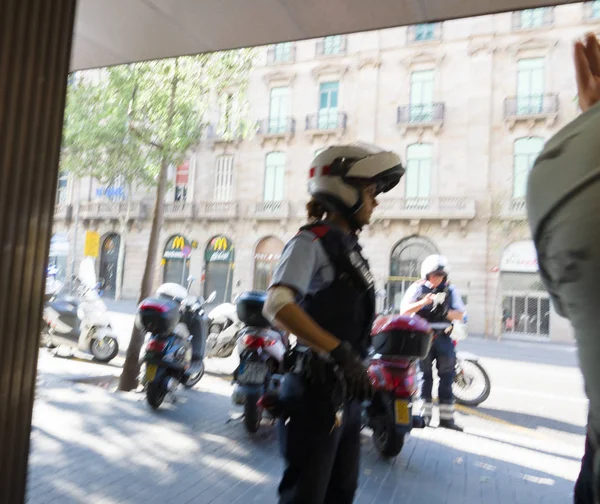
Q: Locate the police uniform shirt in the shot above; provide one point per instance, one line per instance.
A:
(304, 265)
(414, 294)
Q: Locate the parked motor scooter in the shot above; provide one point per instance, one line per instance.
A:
(223, 331)
(261, 349)
(80, 321)
(397, 344)
(175, 350)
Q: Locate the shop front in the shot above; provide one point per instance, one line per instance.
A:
(526, 310)
(176, 260)
(219, 262)
(266, 257)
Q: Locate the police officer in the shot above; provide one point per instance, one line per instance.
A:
(322, 292)
(434, 299)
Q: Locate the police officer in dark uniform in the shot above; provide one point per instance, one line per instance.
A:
(434, 299)
(322, 292)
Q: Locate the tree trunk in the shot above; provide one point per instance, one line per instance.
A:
(131, 368)
(123, 238)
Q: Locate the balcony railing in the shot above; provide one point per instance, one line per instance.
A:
(275, 126)
(111, 210)
(217, 210)
(514, 209)
(333, 45)
(281, 53)
(533, 18)
(530, 106)
(220, 133)
(326, 120)
(63, 211)
(179, 210)
(591, 10)
(422, 113)
(271, 210)
(442, 208)
(424, 32)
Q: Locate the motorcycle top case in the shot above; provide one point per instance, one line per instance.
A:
(249, 308)
(402, 336)
(157, 315)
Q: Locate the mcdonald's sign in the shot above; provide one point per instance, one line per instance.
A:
(177, 247)
(219, 249)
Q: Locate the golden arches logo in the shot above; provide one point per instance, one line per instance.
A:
(178, 243)
(220, 243)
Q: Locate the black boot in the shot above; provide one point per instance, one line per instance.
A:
(451, 424)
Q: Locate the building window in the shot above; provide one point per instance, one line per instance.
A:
(421, 96)
(328, 105)
(279, 109)
(224, 179)
(334, 44)
(526, 150)
(533, 18)
(182, 176)
(61, 190)
(530, 86)
(419, 160)
(283, 52)
(425, 31)
(274, 176)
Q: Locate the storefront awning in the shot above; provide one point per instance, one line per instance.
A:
(110, 32)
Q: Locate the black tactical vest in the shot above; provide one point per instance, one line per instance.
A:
(429, 313)
(346, 307)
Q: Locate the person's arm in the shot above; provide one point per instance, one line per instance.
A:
(457, 307)
(587, 72)
(412, 308)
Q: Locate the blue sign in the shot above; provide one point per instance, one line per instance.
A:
(111, 192)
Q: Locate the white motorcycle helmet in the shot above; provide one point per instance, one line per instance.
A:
(434, 264)
(337, 173)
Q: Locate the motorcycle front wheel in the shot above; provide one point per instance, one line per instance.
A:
(471, 383)
(387, 441)
(252, 413)
(104, 349)
(193, 379)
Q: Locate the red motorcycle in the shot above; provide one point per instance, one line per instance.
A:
(398, 343)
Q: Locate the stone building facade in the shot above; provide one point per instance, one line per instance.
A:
(467, 103)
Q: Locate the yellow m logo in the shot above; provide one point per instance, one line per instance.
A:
(178, 243)
(220, 243)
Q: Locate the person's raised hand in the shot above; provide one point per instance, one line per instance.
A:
(587, 71)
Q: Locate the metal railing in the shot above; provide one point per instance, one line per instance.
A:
(424, 32)
(534, 105)
(533, 18)
(222, 133)
(276, 126)
(281, 53)
(326, 120)
(217, 210)
(330, 46)
(63, 211)
(110, 209)
(271, 209)
(421, 113)
(445, 207)
(179, 210)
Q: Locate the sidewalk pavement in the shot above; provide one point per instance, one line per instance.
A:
(93, 446)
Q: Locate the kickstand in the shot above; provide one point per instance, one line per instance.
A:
(235, 418)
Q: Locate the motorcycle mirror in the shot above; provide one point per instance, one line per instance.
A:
(212, 297)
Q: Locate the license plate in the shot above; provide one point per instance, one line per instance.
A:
(252, 372)
(151, 372)
(402, 412)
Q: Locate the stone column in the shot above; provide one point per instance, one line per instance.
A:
(35, 48)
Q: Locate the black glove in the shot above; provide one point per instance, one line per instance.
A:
(357, 380)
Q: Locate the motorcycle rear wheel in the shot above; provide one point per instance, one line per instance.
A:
(458, 388)
(252, 414)
(104, 349)
(156, 393)
(387, 441)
